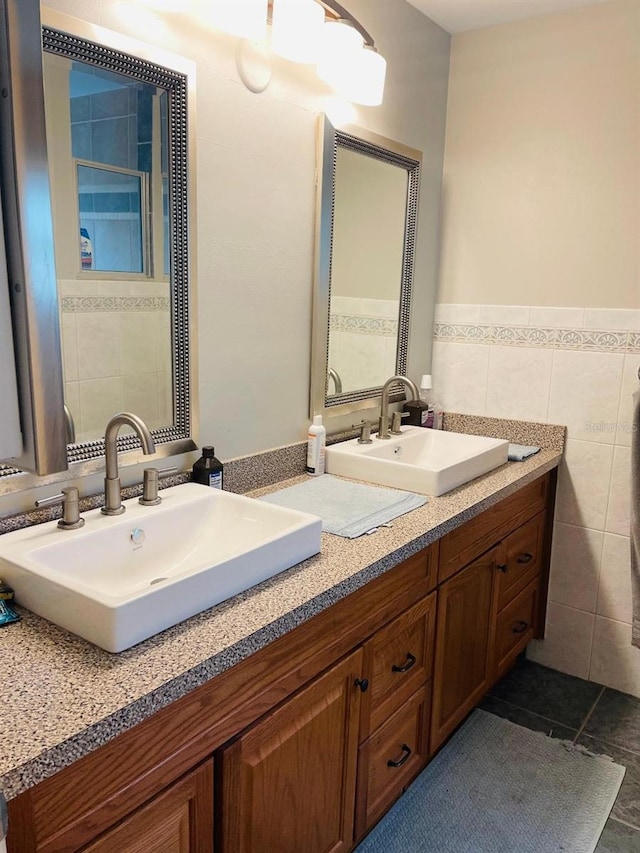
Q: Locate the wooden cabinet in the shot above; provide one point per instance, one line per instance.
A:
(489, 608)
(288, 783)
(394, 729)
(463, 645)
(314, 737)
(180, 820)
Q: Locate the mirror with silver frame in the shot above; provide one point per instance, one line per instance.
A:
(365, 244)
(117, 119)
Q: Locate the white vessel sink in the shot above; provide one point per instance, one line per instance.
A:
(427, 461)
(121, 579)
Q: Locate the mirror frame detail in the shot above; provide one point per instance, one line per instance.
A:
(370, 144)
(79, 40)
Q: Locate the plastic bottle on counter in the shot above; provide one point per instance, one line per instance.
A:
(316, 441)
(434, 409)
(208, 470)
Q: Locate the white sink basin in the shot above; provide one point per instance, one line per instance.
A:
(427, 461)
(119, 580)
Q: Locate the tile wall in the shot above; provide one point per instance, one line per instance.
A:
(577, 367)
(116, 353)
(363, 340)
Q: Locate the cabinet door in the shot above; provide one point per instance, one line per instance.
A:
(288, 783)
(180, 820)
(463, 645)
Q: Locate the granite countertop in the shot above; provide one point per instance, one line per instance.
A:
(64, 697)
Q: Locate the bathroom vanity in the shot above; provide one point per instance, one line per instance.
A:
(292, 717)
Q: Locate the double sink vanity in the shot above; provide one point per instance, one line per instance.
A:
(291, 715)
(210, 672)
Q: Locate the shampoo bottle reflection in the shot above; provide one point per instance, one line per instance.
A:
(316, 441)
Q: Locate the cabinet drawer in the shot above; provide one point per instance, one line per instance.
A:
(398, 660)
(519, 558)
(463, 545)
(391, 757)
(515, 627)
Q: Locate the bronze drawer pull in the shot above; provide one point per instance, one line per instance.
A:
(520, 627)
(502, 567)
(362, 683)
(525, 558)
(406, 750)
(405, 667)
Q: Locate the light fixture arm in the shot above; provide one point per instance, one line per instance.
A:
(341, 12)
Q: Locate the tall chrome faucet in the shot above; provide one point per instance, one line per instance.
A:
(112, 497)
(383, 420)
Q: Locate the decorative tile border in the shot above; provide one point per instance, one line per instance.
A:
(363, 325)
(90, 304)
(531, 336)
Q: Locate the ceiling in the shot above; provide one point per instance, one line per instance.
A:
(455, 16)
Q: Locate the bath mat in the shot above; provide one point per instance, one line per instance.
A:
(346, 509)
(497, 787)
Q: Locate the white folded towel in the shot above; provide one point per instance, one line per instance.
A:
(346, 509)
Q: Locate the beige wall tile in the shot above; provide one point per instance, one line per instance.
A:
(575, 566)
(567, 642)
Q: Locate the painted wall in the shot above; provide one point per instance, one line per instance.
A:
(542, 170)
(540, 289)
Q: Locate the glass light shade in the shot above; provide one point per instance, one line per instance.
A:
(297, 29)
(164, 5)
(242, 18)
(364, 82)
(340, 47)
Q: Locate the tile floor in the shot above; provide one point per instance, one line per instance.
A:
(603, 720)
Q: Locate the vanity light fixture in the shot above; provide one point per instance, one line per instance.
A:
(296, 29)
(307, 31)
(242, 18)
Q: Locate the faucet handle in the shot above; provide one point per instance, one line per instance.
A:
(70, 500)
(365, 432)
(396, 421)
(151, 476)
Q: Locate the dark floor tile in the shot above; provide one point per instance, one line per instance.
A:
(627, 804)
(616, 719)
(562, 698)
(526, 719)
(618, 838)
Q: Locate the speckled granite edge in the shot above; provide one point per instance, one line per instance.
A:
(548, 436)
(54, 759)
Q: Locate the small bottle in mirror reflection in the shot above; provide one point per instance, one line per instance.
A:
(316, 440)
(208, 470)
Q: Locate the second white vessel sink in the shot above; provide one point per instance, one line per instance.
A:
(121, 579)
(427, 461)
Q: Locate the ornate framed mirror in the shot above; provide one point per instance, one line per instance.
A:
(368, 193)
(119, 116)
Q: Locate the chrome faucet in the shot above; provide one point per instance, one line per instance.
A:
(383, 420)
(112, 497)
